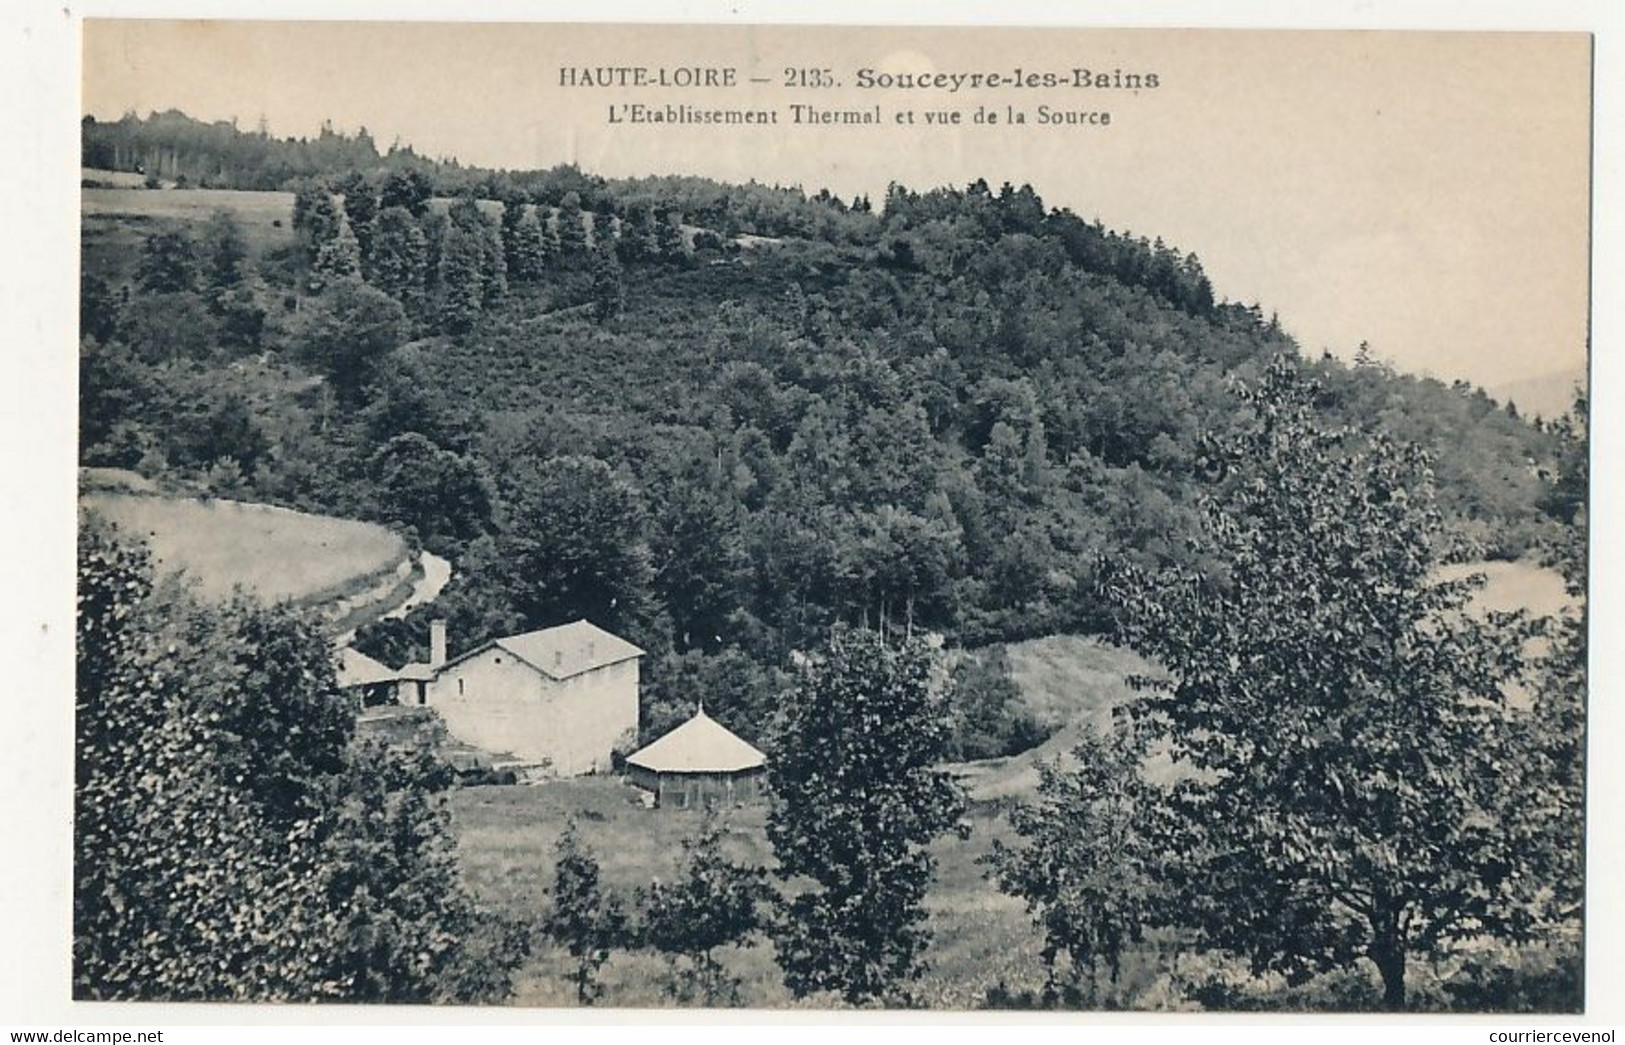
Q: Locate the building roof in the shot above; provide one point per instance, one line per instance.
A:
(357, 669)
(565, 651)
(700, 745)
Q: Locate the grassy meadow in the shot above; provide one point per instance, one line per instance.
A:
(273, 552)
(115, 221)
(981, 938)
(506, 837)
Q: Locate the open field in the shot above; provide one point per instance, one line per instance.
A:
(506, 836)
(272, 552)
(256, 209)
(114, 222)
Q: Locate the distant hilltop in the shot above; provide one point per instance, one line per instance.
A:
(1546, 395)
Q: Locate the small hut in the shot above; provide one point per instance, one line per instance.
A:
(700, 763)
(368, 681)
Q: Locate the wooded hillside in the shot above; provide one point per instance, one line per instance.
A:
(714, 418)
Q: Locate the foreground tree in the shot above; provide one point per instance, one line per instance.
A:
(857, 800)
(1558, 744)
(232, 841)
(1085, 868)
(1354, 787)
(584, 920)
(714, 903)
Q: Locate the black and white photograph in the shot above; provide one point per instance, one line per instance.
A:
(994, 520)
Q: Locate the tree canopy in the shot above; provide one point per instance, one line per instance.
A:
(232, 840)
(1354, 787)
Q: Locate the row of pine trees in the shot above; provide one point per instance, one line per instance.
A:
(448, 266)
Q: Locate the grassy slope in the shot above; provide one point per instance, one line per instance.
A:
(273, 552)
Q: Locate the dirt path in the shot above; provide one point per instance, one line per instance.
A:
(436, 575)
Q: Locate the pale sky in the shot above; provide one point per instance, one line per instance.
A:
(1427, 192)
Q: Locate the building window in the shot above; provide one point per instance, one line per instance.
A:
(459, 687)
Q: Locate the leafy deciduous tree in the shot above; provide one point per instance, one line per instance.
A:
(340, 254)
(857, 799)
(584, 920)
(576, 548)
(1086, 867)
(714, 903)
(1357, 787)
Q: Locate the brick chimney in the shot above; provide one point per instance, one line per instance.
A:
(437, 644)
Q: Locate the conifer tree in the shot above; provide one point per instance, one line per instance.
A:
(409, 190)
(715, 903)
(168, 263)
(316, 219)
(493, 264)
(461, 277)
(399, 257)
(225, 251)
(1364, 789)
(513, 216)
(361, 210)
(528, 257)
(608, 283)
(340, 255)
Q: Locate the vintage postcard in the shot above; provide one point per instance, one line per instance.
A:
(814, 517)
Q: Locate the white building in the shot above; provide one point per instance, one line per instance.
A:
(563, 697)
(558, 701)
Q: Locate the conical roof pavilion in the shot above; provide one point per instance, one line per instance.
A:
(700, 745)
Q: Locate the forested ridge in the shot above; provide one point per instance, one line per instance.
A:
(715, 418)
